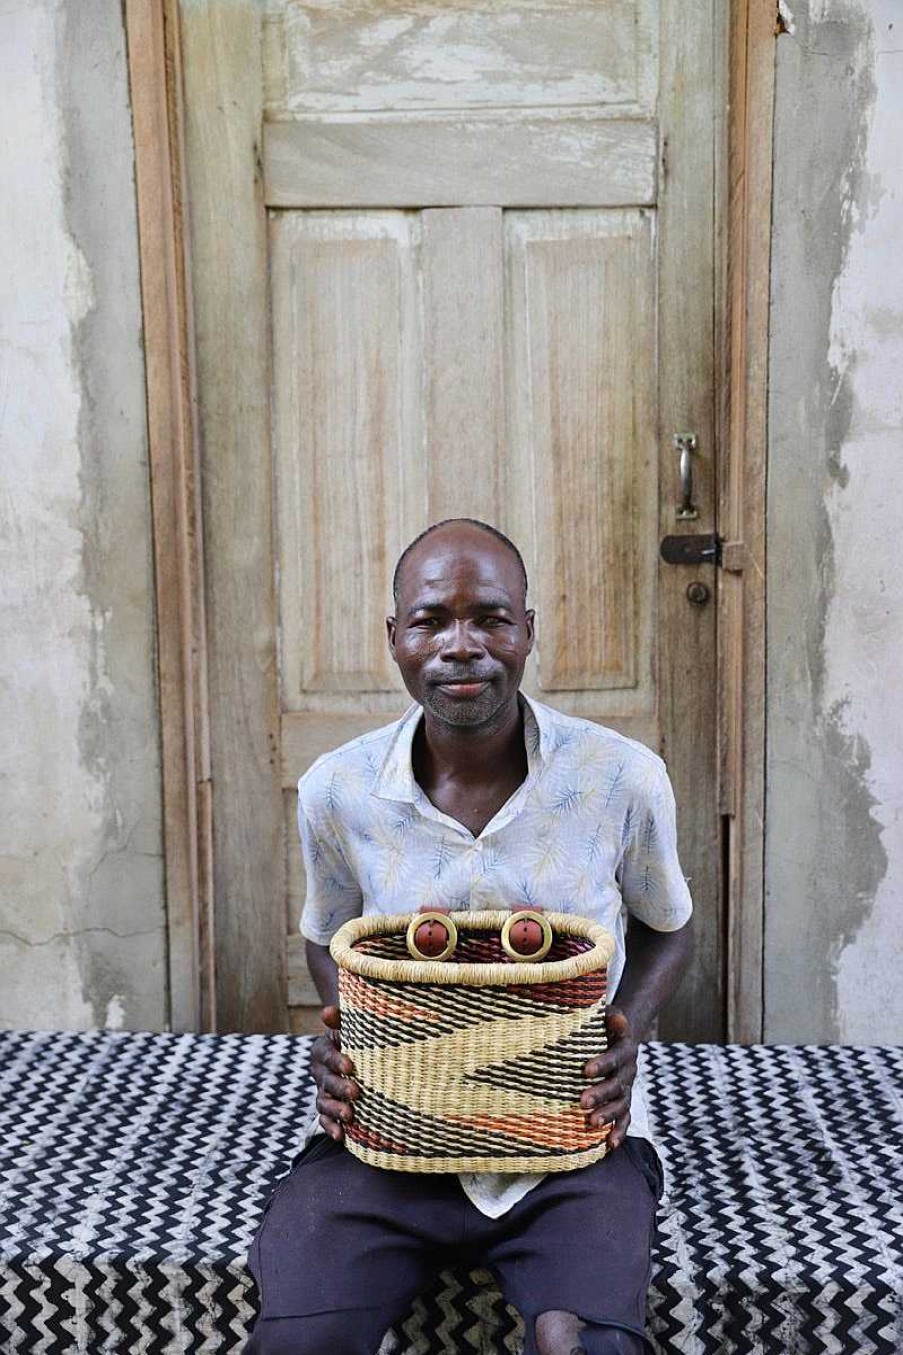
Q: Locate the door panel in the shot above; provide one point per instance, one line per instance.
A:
(463, 289)
(544, 159)
(326, 56)
(349, 466)
(583, 480)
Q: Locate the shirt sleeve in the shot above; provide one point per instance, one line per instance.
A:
(333, 893)
(652, 883)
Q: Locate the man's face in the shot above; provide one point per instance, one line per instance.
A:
(461, 633)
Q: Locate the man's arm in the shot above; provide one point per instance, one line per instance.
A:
(325, 973)
(655, 964)
(330, 1067)
(333, 895)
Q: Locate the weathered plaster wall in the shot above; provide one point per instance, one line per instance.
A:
(834, 815)
(82, 937)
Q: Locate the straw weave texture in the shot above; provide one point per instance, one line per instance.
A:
(473, 1064)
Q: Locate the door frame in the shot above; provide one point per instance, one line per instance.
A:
(155, 87)
(223, 853)
(744, 206)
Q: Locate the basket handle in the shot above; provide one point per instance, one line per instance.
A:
(527, 936)
(431, 934)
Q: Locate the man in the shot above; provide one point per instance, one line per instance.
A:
(479, 797)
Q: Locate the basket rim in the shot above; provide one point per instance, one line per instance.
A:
(341, 948)
(536, 1162)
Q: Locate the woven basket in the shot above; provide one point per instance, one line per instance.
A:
(475, 1063)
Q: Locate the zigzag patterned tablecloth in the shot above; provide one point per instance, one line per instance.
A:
(134, 1169)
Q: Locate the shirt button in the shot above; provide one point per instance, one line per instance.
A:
(479, 844)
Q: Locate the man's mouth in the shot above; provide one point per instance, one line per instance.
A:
(463, 688)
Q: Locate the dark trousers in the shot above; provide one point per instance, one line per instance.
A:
(344, 1248)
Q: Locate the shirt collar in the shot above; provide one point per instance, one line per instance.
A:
(395, 780)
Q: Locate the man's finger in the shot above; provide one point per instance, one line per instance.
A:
(609, 1113)
(336, 1062)
(611, 1063)
(616, 1023)
(619, 1133)
(339, 1087)
(331, 1109)
(328, 1055)
(335, 1131)
(617, 1116)
(337, 1112)
(612, 1089)
(331, 1018)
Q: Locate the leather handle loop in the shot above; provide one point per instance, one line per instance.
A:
(528, 915)
(442, 917)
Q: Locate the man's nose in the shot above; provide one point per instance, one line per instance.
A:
(461, 643)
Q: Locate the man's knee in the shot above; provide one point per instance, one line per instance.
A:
(560, 1333)
(349, 1332)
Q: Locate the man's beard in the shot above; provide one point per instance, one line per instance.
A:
(462, 714)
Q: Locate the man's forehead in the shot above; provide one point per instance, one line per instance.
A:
(476, 560)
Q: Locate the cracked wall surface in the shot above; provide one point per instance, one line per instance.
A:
(834, 776)
(82, 915)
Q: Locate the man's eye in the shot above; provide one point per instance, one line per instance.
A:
(493, 621)
(429, 621)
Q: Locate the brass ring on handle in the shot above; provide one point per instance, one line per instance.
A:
(417, 922)
(527, 915)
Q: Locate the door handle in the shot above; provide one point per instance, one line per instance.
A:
(685, 445)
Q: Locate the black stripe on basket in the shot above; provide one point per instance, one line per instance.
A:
(363, 1030)
(427, 1136)
(555, 1070)
(460, 1005)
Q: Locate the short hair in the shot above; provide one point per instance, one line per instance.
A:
(449, 522)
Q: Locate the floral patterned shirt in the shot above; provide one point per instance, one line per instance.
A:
(591, 830)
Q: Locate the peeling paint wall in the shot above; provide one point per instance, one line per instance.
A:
(834, 778)
(82, 915)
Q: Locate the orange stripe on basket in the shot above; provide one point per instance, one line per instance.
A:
(568, 1130)
(368, 1138)
(366, 997)
(573, 993)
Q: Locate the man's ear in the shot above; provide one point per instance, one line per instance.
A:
(390, 634)
(530, 617)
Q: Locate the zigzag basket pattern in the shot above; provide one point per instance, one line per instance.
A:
(473, 1064)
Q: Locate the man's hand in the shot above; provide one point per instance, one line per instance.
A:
(331, 1071)
(608, 1102)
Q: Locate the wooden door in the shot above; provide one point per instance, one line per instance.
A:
(483, 287)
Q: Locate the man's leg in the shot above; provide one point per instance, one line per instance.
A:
(574, 1256)
(352, 1331)
(342, 1250)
